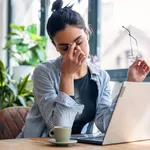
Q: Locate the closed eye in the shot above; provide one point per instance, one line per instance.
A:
(65, 48)
(79, 43)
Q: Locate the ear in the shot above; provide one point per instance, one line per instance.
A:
(87, 33)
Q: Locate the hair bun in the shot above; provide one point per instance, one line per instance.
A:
(57, 5)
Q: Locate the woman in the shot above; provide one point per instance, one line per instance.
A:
(70, 91)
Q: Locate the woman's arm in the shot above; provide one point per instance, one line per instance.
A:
(104, 106)
(56, 108)
(71, 63)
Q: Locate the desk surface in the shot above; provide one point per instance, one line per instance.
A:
(42, 144)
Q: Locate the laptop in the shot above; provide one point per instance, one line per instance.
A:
(130, 120)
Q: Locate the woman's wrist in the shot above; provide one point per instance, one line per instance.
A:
(67, 84)
(129, 79)
(67, 76)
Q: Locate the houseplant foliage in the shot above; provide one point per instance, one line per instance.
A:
(14, 93)
(25, 45)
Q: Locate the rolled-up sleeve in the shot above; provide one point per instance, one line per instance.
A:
(105, 105)
(57, 109)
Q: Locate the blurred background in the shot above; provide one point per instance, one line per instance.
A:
(25, 43)
(110, 43)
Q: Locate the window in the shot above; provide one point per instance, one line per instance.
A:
(115, 41)
(25, 12)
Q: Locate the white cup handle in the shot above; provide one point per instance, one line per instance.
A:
(50, 132)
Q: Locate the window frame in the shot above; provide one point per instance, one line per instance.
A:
(120, 75)
(9, 21)
(43, 16)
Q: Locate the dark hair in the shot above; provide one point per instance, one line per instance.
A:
(61, 17)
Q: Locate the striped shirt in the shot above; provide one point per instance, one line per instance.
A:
(55, 108)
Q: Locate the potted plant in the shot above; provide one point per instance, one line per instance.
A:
(14, 93)
(26, 47)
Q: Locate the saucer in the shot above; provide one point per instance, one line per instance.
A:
(53, 141)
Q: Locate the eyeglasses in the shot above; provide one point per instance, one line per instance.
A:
(134, 53)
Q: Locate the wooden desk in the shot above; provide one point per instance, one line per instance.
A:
(42, 144)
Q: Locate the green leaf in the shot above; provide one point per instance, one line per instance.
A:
(2, 75)
(41, 54)
(22, 84)
(32, 29)
(13, 89)
(16, 27)
(22, 101)
(35, 37)
(32, 58)
(8, 44)
(26, 93)
(11, 98)
(2, 79)
(12, 34)
(42, 41)
(33, 48)
(22, 48)
(7, 76)
(12, 42)
(2, 68)
(16, 41)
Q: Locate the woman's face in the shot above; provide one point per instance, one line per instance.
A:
(64, 38)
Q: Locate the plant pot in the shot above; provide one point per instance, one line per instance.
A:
(22, 71)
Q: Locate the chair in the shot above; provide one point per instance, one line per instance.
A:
(12, 120)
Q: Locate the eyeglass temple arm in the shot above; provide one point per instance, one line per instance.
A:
(130, 39)
(135, 41)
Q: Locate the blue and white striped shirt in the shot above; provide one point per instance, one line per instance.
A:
(55, 108)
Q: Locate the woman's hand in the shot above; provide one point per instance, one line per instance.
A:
(72, 60)
(71, 63)
(138, 71)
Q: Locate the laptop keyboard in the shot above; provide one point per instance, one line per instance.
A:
(98, 138)
(89, 137)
